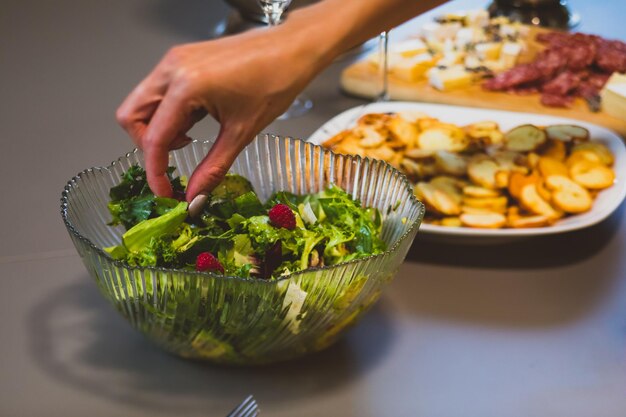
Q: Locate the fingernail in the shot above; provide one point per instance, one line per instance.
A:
(197, 205)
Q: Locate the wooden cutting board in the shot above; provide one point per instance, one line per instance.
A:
(363, 80)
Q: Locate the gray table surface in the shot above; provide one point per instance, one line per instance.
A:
(528, 328)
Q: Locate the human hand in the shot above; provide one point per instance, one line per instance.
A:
(243, 81)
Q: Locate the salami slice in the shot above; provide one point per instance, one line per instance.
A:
(556, 100)
(562, 84)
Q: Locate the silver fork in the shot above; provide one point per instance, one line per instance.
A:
(247, 408)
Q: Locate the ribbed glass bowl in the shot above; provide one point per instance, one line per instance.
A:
(246, 320)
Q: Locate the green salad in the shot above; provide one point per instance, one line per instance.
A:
(237, 234)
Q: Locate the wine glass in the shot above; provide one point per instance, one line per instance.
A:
(273, 10)
(383, 66)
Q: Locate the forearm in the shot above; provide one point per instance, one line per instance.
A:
(331, 27)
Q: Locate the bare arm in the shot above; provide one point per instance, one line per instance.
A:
(245, 82)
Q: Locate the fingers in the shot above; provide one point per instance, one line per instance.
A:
(211, 171)
(167, 130)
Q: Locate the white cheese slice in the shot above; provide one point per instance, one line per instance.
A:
(409, 48)
(449, 78)
(613, 96)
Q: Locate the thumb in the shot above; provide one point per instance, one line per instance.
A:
(215, 165)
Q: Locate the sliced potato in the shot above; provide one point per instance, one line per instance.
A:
(532, 160)
(442, 139)
(510, 161)
(543, 190)
(406, 132)
(532, 201)
(338, 138)
(555, 149)
(384, 153)
(521, 222)
(605, 155)
(412, 116)
(498, 204)
(373, 120)
(582, 155)
(426, 123)
(371, 138)
(451, 222)
(439, 200)
(482, 171)
(518, 180)
(416, 153)
(592, 175)
(350, 146)
(483, 221)
(451, 163)
(502, 178)
(549, 166)
(524, 138)
(479, 192)
(485, 133)
(478, 210)
(567, 133)
(567, 195)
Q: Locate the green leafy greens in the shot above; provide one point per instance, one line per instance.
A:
(331, 228)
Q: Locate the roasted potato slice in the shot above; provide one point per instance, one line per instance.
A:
(338, 138)
(555, 149)
(567, 133)
(439, 200)
(567, 195)
(451, 163)
(549, 166)
(482, 171)
(483, 220)
(605, 155)
(594, 176)
(371, 138)
(451, 222)
(416, 153)
(497, 204)
(525, 138)
(502, 178)
(532, 201)
(412, 116)
(442, 139)
(582, 155)
(404, 131)
(522, 222)
(517, 181)
(479, 192)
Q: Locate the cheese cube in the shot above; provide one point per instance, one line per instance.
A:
(510, 52)
(409, 48)
(477, 18)
(613, 96)
(488, 50)
(451, 58)
(472, 61)
(414, 68)
(440, 32)
(468, 35)
(449, 78)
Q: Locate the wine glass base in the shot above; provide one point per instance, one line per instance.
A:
(301, 105)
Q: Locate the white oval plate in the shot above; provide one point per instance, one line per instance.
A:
(607, 201)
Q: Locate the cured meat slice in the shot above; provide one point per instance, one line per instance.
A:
(562, 84)
(521, 74)
(549, 62)
(611, 56)
(556, 100)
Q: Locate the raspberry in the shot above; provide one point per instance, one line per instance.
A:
(282, 216)
(207, 262)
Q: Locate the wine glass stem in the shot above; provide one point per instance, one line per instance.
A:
(383, 41)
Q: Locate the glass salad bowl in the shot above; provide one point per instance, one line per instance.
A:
(247, 320)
